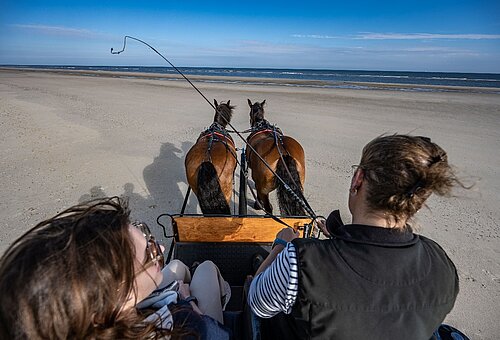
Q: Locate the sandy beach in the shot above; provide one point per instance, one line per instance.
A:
(68, 138)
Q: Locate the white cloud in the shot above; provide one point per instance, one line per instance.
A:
(261, 47)
(400, 36)
(255, 49)
(316, 36)
(57, 30)
(248, 48)
(419, 36)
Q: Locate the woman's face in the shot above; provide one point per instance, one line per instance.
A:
(148, 277)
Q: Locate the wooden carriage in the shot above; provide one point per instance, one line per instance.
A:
(232, 242)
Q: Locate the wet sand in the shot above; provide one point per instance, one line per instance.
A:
(70, 137)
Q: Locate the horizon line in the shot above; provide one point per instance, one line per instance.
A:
(254, 68)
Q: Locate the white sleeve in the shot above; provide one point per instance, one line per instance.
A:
(275, 289)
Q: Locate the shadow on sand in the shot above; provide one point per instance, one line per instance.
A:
(166, 182)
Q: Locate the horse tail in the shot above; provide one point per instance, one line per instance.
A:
(210, 195)
(289, 206)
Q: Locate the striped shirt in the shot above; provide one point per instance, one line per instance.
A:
(275, 289)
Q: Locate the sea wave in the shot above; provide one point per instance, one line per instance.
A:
(381, 76)
(291, 73)
(331, 78)
(448, 78)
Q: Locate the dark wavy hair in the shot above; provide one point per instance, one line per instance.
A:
(402, 171)
(71, 275)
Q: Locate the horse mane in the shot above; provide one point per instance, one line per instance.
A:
(223, 114)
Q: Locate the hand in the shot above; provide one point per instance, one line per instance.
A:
(287, 234)
(184, 290)
(321, 223)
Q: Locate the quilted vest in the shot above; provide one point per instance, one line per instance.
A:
(368, 283)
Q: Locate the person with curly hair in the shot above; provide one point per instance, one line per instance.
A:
(89, 273)
(374, 278)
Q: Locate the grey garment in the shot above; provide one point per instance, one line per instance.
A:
(159, 298)
(207, 285)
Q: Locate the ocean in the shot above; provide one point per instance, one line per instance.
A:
(443, 81)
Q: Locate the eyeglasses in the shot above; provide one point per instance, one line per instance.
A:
(154, 254)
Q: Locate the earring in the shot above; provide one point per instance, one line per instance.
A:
(354, 191)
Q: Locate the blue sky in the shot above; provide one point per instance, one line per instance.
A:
(453, 36)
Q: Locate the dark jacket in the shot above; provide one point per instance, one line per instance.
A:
(368, 283)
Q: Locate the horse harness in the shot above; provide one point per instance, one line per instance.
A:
(217, 133)
(263, 126)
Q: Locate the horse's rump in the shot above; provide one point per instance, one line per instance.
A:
(286, 157)
(267, 147)
(210, 174)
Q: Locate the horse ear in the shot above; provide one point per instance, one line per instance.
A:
(262, 104)
(228, 102)
(215, 102)
(249, 103)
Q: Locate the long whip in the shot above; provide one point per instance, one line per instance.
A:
(306, 205)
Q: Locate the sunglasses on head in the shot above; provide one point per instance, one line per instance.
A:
(154, 254)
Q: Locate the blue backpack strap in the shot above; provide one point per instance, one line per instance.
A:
(447, 332)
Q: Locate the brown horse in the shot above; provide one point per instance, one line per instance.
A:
(211, 162)
(283, 154)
